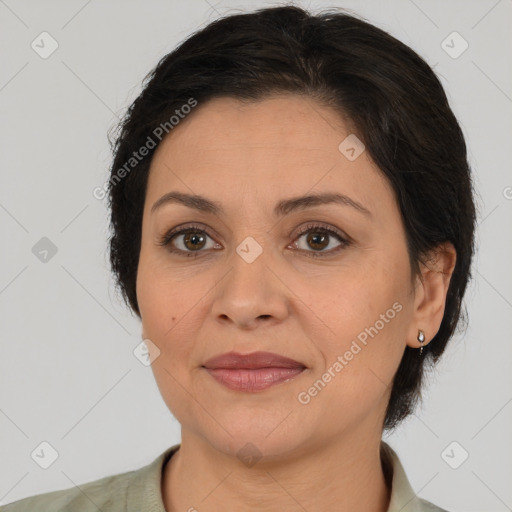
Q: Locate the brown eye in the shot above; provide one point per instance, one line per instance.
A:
(315, 240)
(189, 241)
(194, 241)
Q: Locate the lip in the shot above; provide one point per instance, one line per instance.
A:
(252, 372)
(251, 361)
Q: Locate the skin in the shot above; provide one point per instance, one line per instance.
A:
(248, 157)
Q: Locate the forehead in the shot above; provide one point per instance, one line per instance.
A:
(284, 144)
(278, 121)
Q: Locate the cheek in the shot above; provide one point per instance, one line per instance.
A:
(169, 312)
(173, 308)
(364, 313)
(347, 301)
(163, 298)
(361, 353)
(163, 306)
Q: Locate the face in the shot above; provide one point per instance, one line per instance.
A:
(327, 284)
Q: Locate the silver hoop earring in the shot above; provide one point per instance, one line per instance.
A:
(421, 339)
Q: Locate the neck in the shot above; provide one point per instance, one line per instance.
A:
(346, 475)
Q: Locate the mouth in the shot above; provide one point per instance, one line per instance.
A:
(252, 372)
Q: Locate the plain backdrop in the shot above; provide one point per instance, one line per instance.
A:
(68, 375)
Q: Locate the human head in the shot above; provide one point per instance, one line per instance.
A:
(384, 92)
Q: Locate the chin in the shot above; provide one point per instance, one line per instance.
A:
(256, 437)
(250, 449)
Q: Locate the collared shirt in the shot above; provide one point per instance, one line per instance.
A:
(140, 491)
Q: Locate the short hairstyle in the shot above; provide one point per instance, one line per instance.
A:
(389, 96)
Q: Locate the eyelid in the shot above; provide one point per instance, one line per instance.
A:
(309, 226)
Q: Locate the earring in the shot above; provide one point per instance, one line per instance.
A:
(421, 339)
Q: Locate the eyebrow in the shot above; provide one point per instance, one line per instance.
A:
(282, 208)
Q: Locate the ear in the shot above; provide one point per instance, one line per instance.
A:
(431, 287)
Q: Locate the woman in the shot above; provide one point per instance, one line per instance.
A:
(292, 220)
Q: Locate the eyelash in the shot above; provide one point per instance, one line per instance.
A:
(344, 240)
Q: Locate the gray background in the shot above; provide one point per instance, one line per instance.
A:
(68, 375)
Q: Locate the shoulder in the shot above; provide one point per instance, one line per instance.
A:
(107, 494)
(426, 506)
(403, 497)
(130, 491)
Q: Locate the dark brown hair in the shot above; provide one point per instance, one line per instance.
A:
(393, 99)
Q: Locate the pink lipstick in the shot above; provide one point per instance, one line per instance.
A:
(252, 372)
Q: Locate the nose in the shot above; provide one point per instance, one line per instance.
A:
(251, 294)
